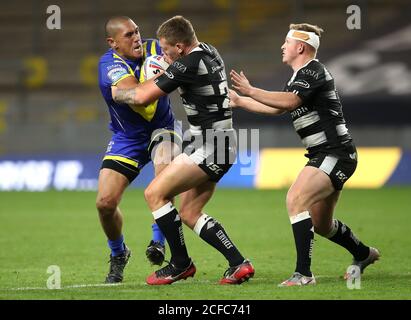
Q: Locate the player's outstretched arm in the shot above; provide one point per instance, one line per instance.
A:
(251, 105)
(143, 94)
(286, 101)
(127, 83)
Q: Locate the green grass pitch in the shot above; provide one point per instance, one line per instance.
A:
(62, 228)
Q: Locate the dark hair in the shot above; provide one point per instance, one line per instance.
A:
(112, 25)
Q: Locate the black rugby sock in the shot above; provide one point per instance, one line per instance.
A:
(342, 235)
(169, 221)
(304, 239)
(212, 232)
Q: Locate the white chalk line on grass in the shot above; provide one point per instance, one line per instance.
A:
(77, 286)
(74, 286)
(96, 285)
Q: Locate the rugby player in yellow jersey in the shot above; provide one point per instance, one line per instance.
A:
(135, 140)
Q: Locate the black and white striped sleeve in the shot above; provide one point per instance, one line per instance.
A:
(176, 75)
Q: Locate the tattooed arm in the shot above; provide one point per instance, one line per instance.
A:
(143, 94)
(124, 95)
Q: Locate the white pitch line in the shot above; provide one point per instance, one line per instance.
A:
(74, 286)
(25, 289)
(66, 287)
(94, 285)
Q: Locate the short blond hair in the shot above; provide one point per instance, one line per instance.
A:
(307, 27)
(177, 29)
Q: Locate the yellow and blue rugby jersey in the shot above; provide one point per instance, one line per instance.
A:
(136, 120)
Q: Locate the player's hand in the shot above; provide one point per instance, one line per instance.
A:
(240, 82)
(234, 98)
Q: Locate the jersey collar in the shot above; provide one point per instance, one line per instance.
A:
(134, 64)
(296, 71)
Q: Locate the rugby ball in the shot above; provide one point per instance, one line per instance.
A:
(153, 65)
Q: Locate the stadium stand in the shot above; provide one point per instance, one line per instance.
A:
(48, 84)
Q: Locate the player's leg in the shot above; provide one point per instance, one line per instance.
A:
(193, 201)
(339, 169)
(339, 233)
(212, 232)
(181, 175)
(322, 213)
(162, 154)
(111, 186)
(311, 186)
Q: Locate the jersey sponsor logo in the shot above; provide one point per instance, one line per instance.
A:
(299, 112)
(301, 83)
(116, 73)
(169, 74)
(179, 66)
(340, 175)
(215, 168)
(112, 66)
(310, 73)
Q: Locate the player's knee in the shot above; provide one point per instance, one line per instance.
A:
(293, 201)
(152, 195)
(297, 202)
(106, 205)
(148, 194)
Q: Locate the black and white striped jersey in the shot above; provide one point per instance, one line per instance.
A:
(202, 82)
(319, 120)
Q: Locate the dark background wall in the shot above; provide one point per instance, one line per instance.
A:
(50, 102)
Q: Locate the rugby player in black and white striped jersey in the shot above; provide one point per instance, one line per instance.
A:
(198, 71)
(312, 100)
